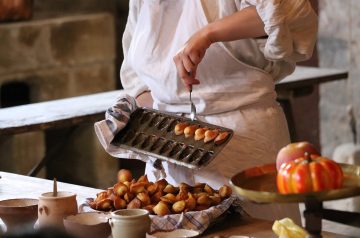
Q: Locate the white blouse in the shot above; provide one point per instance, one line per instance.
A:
(291, 26)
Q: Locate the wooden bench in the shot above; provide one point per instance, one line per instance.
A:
(90, 108)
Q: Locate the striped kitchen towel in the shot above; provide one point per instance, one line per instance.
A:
(116, 118)
(195, 220)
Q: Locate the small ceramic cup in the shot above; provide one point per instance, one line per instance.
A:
(53, 209)
(19, 212)
(130, 223)
(88, 224)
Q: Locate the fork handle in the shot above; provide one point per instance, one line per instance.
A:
(190, 86)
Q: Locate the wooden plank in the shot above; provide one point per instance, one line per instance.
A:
(90, 108)
(56, 113)
(309, 76)
(20, 186)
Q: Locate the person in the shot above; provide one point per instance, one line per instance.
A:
(230, 53)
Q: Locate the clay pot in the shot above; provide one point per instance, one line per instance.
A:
(130, 223)
(88, 224)
(15, 10)
(53, 209)
(19, 212)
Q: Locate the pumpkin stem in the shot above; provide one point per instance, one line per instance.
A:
(352, 123)
(307, 156)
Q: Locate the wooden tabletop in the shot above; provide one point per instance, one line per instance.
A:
(308, 76)
(19, 186)
(90, 108)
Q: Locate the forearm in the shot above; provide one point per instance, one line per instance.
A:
(145, 100)
(240, 25)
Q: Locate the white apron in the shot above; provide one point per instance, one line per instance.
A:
(231, 94)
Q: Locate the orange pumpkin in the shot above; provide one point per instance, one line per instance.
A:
(309, 174)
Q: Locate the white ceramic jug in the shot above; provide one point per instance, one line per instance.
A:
(53, 209)
(130, 223)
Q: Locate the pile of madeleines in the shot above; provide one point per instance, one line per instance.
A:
(201, 133)
(159, 198)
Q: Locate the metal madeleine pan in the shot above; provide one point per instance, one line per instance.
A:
(151, 132)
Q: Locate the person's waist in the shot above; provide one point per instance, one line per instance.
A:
(211, 107)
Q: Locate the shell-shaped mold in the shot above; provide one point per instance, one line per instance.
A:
(150, 140)
(186, 152)
(128, 136)
(137, 115)
(172, 125)
(155, 120)
(167, 147)
(158, 143)
(206, 158)
(138, 139)
(176, 149)
(164, 123)
(196, 156)
(146, 117)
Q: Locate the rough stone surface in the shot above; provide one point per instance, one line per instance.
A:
(60, 57)
(339, 47)
(334, 51)
(62, 82)
(71, 40)
(334, 20)
(55, 8)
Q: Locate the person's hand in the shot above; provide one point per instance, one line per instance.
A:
(188, 57)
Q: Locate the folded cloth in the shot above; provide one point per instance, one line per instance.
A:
(193, 220)
(116, 118)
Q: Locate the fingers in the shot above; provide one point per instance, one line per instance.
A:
(188, 64)
(196, 57)
(186, 70)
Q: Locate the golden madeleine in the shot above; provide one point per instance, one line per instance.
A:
(221, 138)
(189, 131)
(179, 206)
(161, 209)
(200, 133)
(180, 127)
(210, 135)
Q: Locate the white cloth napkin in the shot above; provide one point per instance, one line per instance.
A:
(116, 118)
(193, 220)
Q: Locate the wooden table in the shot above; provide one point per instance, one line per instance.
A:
(19, 186)
(310, 76)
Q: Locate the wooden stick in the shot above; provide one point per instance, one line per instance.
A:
(55, 188)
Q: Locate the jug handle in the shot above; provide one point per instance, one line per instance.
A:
(45, 209)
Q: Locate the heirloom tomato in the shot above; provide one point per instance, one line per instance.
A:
(309, 174)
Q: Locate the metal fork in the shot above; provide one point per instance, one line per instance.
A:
(193, 108)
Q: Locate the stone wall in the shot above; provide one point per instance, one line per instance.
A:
(59, 57)
(339, 47)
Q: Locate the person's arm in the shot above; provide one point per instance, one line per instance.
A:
(240, 25)
(129, 79)
(145, 100)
